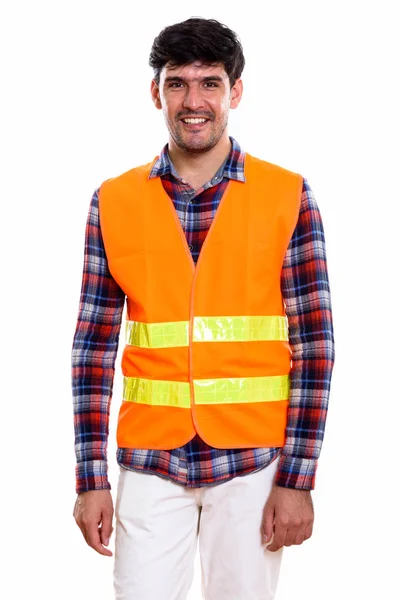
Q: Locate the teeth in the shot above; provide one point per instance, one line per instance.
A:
(194, 121)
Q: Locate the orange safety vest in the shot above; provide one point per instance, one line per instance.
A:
(207, 346)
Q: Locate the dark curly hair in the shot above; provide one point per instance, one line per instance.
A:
(195, 39)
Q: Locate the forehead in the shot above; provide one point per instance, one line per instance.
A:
(193, 71)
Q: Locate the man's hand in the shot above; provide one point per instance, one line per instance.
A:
(289, 515)
(93, 512)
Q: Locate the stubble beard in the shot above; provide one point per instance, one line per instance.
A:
(198, 146)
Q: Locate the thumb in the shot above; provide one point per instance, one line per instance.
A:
(268, 521)
(106, 528)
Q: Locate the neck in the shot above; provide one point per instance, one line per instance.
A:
(199, 167)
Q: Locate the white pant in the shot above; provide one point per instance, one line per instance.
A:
(157, 525)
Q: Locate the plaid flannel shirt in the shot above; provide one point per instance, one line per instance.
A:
(306, 292)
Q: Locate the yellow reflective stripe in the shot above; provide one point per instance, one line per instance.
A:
(207, 391)
(241, 390)
(207, 329)
(156, 392)
(157, 335)
(240, 329)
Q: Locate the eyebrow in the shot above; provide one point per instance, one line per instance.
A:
(183, 80)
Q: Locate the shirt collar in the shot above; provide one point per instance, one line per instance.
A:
(233, 167)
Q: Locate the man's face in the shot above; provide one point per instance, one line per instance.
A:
(196, 91)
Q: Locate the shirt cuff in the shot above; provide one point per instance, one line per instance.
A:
(91, 475)
(296, 473)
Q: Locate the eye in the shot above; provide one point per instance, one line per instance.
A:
(211, 84)
(174, 84)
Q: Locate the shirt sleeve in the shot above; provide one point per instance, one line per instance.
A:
(94, 350)
(306, 292)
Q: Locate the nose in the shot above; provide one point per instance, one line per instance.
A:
(193, 98)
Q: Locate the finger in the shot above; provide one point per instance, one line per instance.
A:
(106, 528)
(268, 523)
(93, 540)
(308, 531)
(300, 535)
(82, 527)
(279, 538)
(105, 535)
(270, 541)
(290, 536)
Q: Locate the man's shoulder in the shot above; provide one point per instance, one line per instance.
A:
(139, 172)
(264, 166)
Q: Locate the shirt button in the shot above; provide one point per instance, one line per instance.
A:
(190, 247)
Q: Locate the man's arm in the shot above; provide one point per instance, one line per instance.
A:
(94, 351)
(95, 346)
(306, 291)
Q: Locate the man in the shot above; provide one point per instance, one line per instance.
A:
(229, 345)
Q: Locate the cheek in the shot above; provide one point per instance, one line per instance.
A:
(221, 109)
(173, 110)
(169, 114)
(223, 104)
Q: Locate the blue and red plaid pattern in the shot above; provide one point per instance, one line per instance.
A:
(305, 288)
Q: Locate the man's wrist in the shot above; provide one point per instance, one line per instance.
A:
(91, 475)
(296, 473)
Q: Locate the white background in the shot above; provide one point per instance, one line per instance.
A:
(320, 98)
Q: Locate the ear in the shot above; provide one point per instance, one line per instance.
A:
(236, 93)
(155, 94)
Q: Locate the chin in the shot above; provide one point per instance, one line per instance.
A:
(197, 148)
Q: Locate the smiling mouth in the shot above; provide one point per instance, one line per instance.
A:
(194, 120)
